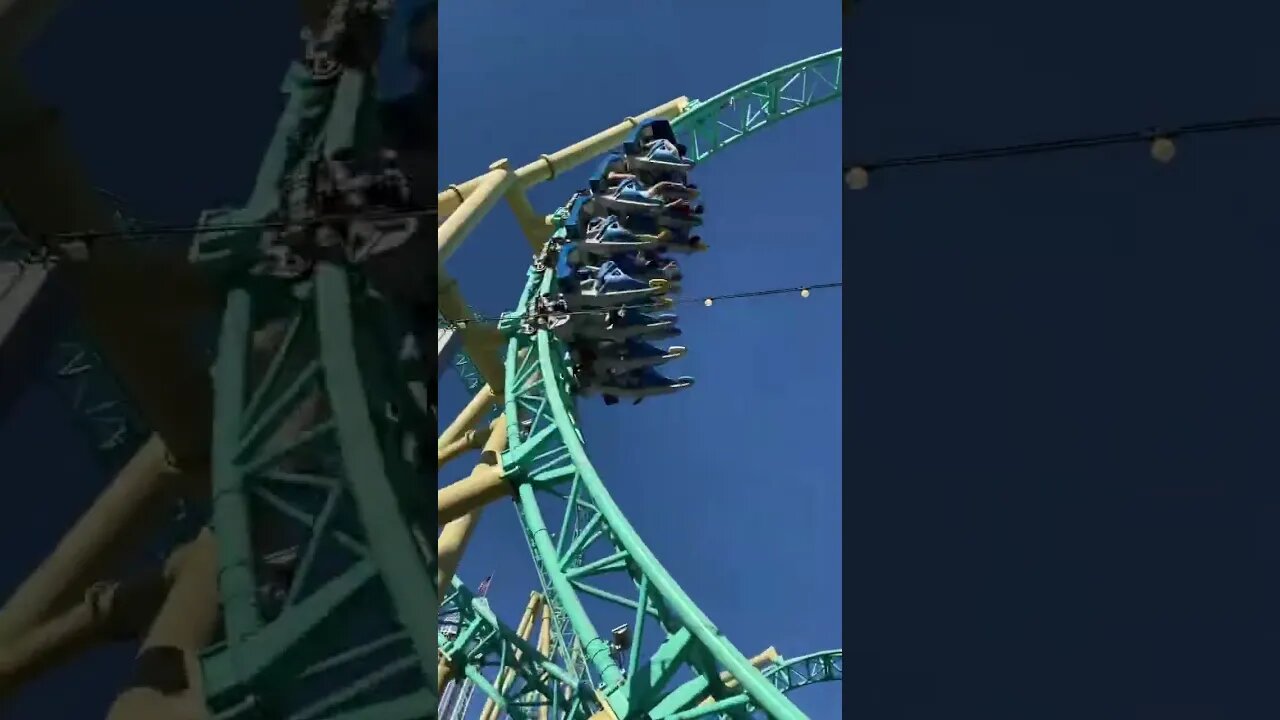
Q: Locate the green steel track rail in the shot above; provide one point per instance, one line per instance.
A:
(484, 647)
(709, 126)
(590, 546)
(787, 675)
(323, 517)
(794, 673)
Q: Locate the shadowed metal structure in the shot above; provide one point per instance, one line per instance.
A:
(83, 306)
(307, 595)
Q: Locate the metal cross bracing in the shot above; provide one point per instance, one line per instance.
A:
(320, 501)
(113, 426)
(450, 353)
(593, 568)
(590, 557)
(473, 641)
(798, 672)
(457, 693)
(471, 636)
(71, 361)
(709, 126)
(322, 524)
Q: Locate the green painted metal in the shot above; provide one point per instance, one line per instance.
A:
(484, 647)
(548, 465)
(464, 365)
(709, 126)
(321, 511)
(328, 504)
(676, 654)
(323, 517)
(795, 673)
(90, 388)
(788, 675)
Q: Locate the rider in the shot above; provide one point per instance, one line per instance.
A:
(659, 191)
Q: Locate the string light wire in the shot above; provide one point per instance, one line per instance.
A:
(142, 232)
(1064, 144)
(709, 300)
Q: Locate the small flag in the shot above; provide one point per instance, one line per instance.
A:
(483, 588)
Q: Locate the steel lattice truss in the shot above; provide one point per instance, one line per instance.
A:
(590, 561)
(795, 673)
(473, 638)
(323, 562)
(114, 428)
(588, 555)
(480, 642)
(323, 517)
(709, 126)
(321, 510)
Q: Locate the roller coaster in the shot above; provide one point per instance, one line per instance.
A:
(289, 589)
(579, 329)
(301, 580)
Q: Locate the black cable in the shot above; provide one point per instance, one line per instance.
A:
(462, 324)
(263, 225)
(45, 259)
(1075, 143)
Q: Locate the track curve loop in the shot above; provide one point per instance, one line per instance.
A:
(675, 659)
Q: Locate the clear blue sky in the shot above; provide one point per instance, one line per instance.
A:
(742, 501)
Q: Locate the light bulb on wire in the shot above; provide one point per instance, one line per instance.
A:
(1163, 150)
(857, 178)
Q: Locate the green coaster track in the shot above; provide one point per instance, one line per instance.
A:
(321, 507)
(579, 538)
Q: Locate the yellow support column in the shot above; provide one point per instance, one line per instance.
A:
(485, 484)
(535, 227)
(470, 440)
(456, 533)
(444, 673)
(491, 709)
(168, 685)
(119, 516)
(107, 613)
(481, 343)
(467, 419)
(544, 647)
(452, 231)
(45, 189)
(768, 657)
(547, 167)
